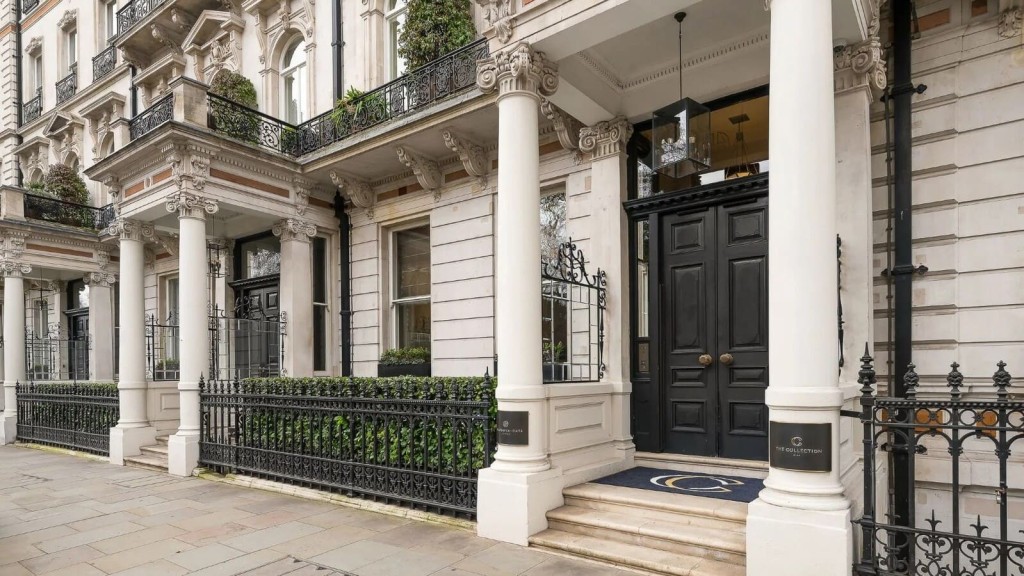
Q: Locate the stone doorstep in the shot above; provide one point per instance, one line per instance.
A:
(703, 464)
(158, 450)
(148, 461)
(724, 514)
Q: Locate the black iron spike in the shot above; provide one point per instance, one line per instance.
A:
(955, 380)
(1002, 381)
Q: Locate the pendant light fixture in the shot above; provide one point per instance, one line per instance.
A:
(744, 168)
(681, 132)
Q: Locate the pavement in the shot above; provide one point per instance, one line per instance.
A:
(69, 515)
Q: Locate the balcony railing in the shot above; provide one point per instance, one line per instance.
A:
(161, 112)
(67, 86)
(134, 12)
(58, 211)
(33, 108)
(28, 6)
(248, 125)
(104, 63)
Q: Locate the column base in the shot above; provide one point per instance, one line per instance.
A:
(182, 454)
(8, 429)
(129, 441)
(795, 542)
(512, 506)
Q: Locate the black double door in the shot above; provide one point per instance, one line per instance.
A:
(713, 328)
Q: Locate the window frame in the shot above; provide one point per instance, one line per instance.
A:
(394, 302)
(37, 74)
(394, 18)
(109, 21)
(299, 75)
(70, 50)
(324, 346)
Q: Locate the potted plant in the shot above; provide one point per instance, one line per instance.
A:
(556, 369)
(404, 362)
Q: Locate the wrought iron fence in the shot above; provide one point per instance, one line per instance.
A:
(59, 211)
(573, 307)
(56, 356)
(104, 63)
(451, 74)
(76, 416)
(163, 350)
(414, 441)
(249, 344)
(134, 12)
(948, 541)
(67, 86)
(251, 126)
(32, 107)
(161, 112)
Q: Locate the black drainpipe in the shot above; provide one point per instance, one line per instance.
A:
(18, 79)
(337, 42)
(344, 258)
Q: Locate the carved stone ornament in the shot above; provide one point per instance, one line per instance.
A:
(1010, 22)
(102, 258)
(862, 63)
(167, 37)
(293, 229)
(99, 279)
(472, 155)
(68, 19)
(606, 138)
(12, 248)
(359, 192)
(518, 69)
(11, 269)
(566, 127)
(500, 16)
(34, 46)
(427, 172)
(183, 20)
(127, 229)
(189, 205)
(113, 185)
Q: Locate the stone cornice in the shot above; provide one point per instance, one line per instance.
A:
(293, 229)
(127, 229)
(427, 171)
(472, 155)
(518, 69)
(189, 205)
(606, 138)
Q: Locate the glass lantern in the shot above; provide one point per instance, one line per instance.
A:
(681, 139)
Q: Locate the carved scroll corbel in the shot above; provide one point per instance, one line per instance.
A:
(427, 172)
(567, 128)
(359, 192)
(472, 155)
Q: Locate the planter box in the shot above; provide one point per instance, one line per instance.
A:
(385, 371)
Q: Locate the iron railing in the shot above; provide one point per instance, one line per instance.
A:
(952, 539)
(59, 211)
(449, 75)
(414, 441)
(573, 308)
(161, 112)
(67, 86)
(32, 107)
(28, 6)
(249, 344)
(162, 349)
(76, 416)
(134, 12)
(251, 126)
(104, 63)
(56, 356)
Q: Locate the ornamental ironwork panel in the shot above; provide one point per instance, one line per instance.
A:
(28, 6)
(77, 416)
(161, 112)
(948, 540)
(134, 12)
(251, 126)
(104, 63)
(163, 349)
(414, 441)
(450, 74)
(247, 344)
(33, 107)
(55, 355)
(572, 317)
(57, 211)
(67, 87)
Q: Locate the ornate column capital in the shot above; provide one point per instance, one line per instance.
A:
(293, 229)
(57, 286)
(12, 269)
(863, 63)
(500, 17)
(189, 205)
(1010, 22)
(518, 69)
(12, 248)
(127, 229)
(606, 138)
(99, 279)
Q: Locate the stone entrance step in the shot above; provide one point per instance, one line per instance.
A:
(654, 532)
(152, 458)
(703, 464)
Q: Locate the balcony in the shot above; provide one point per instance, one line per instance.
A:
(31, 109)
(56, 211)
(161, 112)
(28, 6)
(135, 12)
(104, 63)
(67, 86)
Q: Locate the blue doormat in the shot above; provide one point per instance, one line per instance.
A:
(733, 488)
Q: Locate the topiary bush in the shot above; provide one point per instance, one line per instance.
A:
(434, 28)
(235, 87)
(63, 183)
(405, 356)
(231, 120)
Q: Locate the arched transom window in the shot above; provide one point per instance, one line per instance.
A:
(293, 74)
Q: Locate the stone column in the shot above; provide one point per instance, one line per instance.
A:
(183, 447)
(520, 486)
(101, 326)
(800, 524)
(133, 429)
(296, 294)
(14, 344)
(606, 143)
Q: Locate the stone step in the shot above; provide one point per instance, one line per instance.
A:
(683, 509)
(703, 464)
(147, 461)
(632, 556)
(688, 539)
(162, 440)
(159, 450)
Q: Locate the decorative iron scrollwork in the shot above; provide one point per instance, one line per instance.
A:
(156, 115)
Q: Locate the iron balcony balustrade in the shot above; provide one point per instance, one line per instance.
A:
(56, 211)
(161, 112)
(447, 76)
(32, 108)
(104, 63)
(67, 86)
(135, 12)
(28, 6)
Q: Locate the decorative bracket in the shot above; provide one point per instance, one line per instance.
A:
(566, 127)
(359, 192)
(427, 172)
(472, 155)
(1010, 22)
(500, 16)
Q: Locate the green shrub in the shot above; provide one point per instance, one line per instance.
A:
(232, 120)
(62, 182)
(434, 28)
(358, 109)
(405, 356)
(235, 87)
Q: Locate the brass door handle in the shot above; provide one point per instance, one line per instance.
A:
(705, 360)
(726, 359)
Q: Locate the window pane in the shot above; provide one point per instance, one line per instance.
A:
(413, 263)
(413, 319)
(261, 257)
(552, 225)
(320, 270)
(319, 338)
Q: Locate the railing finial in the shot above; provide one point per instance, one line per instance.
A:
(866, 376)
(911, 379)
(955, 380)
(1002, 381)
